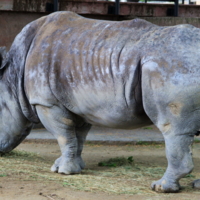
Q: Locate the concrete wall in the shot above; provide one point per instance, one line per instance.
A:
(170, 21)
(136, 9)
(11, 24)
(100, 7)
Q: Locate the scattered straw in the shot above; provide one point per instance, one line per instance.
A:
(126, 177)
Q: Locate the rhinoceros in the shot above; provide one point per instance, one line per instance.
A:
(69, 72)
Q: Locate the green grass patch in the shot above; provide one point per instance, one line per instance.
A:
(151, 143)
(143, 143)
(20, 155)
(147, 128)
(196, 140)
(3, 175)
(189, 176)
(117, 162)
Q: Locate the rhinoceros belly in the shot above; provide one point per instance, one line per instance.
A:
(108, 106)
(116, 117)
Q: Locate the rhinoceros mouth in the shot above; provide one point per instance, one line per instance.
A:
(7, 144)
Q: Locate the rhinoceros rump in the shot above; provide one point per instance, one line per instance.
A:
(69, 72)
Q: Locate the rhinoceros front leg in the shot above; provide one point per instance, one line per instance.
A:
(59, 122)
(81, 133)
(180, 163)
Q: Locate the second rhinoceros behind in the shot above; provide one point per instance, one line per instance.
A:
(69, 72)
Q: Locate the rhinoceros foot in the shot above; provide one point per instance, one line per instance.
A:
(164, 186)
(80, 161)
(65, 166)
(196, 184)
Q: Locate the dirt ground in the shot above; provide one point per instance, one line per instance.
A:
(28, 177)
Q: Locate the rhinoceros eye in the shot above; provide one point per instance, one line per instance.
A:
(3, 58)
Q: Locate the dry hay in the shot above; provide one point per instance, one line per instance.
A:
(126, 177)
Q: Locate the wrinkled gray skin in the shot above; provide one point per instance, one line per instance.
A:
(68, 73)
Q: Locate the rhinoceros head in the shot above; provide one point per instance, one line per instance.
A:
(14, 126)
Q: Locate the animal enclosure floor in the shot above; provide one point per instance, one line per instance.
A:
(25, 174)
(102, 134)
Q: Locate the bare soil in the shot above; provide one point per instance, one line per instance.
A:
(28, 177)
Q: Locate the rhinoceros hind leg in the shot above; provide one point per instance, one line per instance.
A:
(179, 156)
(60, 122)
(170, 107)
(164, 186)
(196, 184)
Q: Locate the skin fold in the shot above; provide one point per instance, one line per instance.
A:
(69, 73)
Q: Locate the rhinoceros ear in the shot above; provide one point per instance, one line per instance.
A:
(3, 60)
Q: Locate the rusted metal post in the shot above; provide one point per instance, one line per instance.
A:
(55, 5)
(176, 8)
(117, 7)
